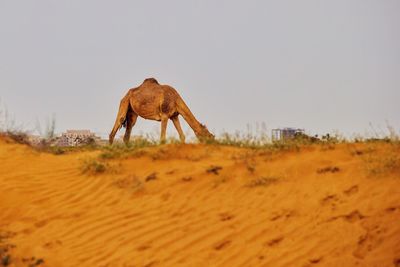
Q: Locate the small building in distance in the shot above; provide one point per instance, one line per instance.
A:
(286, 133)
(77, 138)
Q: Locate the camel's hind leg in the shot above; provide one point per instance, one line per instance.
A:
(123, 109)
(177, 125)
(164, 122)
(131, 118)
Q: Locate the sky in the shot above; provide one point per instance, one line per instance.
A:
(325, 66)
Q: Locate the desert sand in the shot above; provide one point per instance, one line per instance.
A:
(202, 205)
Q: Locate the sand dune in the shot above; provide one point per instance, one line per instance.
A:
(197, 205)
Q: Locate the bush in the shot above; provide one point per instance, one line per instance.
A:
(93, 166)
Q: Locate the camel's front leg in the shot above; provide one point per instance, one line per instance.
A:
(164, 122)
(177, 125)
(131, 118)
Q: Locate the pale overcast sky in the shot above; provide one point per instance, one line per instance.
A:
(318, 65)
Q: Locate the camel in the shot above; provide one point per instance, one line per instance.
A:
(154, 101)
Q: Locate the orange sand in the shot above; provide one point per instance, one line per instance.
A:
(260, 209)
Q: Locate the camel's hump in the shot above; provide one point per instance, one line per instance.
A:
(150, 80)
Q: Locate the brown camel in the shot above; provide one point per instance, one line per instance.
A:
(154, 101)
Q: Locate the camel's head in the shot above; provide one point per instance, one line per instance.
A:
(203, 134)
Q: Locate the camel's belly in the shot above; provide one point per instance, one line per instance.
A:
(154, 117)
(147, 111)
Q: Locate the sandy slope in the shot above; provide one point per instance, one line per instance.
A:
(260, 209)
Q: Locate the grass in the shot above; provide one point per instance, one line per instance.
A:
(16, 136)
(131, 183)
(263, 142)
(381, 157)
(93, 166)
(134, 148)
(258, 141)
(383, 165)
(122, 150)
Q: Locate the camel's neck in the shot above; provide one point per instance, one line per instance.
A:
(195, 125)
(184, 110)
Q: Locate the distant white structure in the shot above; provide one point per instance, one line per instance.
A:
(286, 133)
(77, 137)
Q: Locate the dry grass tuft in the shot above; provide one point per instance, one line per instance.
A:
(380, 166)
(131, 183)
(214, 169)
(123, 151)
(94, 167)
(331, 169)
(263, 181)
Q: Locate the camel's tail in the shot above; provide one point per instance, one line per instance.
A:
(121, 117)
(200, 130)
